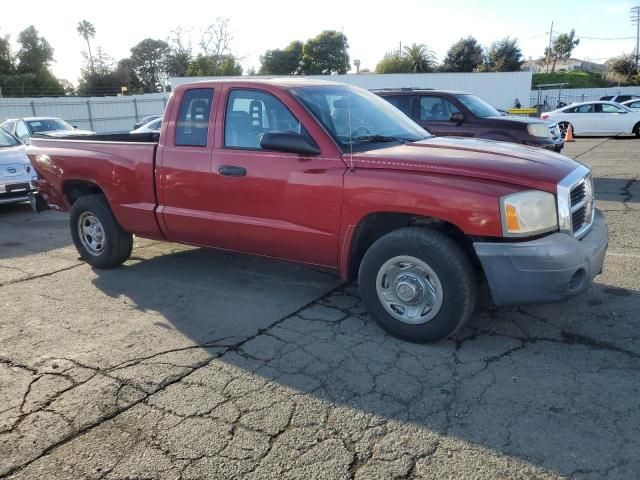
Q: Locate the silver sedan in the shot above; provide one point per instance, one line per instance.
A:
(17, 176)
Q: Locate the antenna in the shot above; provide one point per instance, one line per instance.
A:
(346, 77)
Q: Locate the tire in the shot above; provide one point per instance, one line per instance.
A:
(97, 235)
(431, 253)
(564, 126)
(636, 130)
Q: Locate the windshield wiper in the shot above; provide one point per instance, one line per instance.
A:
(379, 138)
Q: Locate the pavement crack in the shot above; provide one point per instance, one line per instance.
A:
(42, 275)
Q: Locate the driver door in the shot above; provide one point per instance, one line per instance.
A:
(277, 204)
(434, 114)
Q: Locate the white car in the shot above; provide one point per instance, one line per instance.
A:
(17, 176)
(633, 104)
(596, 118)
(25, 128)
(150, 127)
(620, 98)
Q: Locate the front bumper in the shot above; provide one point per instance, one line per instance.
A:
(550, 269)
(555, 145)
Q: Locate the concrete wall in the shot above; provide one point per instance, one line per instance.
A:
(499, 89)
(101, 114)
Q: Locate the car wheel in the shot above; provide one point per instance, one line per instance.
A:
(563, 127)
(97, 235)
(636, 130)
(418, 284)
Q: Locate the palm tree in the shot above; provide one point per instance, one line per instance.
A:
(86, 30)
(422, 59)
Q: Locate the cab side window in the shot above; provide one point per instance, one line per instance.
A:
(192, 125)
(436, 109)
(250, 113)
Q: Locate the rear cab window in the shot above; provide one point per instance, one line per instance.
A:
(192, 124)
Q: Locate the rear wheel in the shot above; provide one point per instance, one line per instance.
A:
(636, 130)
(418, 284)
(96, 233)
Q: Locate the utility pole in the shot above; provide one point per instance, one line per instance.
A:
(549, 49)
(635, 18)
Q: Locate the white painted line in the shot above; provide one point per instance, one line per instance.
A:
(618, 254)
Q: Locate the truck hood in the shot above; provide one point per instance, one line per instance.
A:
(484, 159)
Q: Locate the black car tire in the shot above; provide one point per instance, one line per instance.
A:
(445, 258)
(116, 244)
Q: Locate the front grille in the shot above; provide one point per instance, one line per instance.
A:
(577, 194)
(581, 200)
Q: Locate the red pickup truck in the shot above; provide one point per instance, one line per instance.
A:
(333, 176)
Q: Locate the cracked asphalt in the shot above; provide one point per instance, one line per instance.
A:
(194, 364)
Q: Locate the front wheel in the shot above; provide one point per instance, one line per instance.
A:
(563, 127)
(97, 235)
(418, 284)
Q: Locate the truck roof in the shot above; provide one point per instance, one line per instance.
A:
(292, 81)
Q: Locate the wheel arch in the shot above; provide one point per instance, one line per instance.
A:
(377, 224)
(73, 189)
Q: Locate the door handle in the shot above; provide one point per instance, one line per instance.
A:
(232, 171)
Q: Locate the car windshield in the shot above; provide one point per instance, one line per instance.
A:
(478, 107)
(7, 140)
(356, 118)
(48, 125)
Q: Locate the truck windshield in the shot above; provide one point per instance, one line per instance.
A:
(478, 107)
(356, 118)
(7, 140)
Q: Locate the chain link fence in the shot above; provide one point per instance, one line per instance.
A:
(100, 114)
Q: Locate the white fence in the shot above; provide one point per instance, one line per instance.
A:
(573, 95)
(500, 89)
(101, 114)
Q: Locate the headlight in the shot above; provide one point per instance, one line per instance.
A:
(528, 213)
(539, 130)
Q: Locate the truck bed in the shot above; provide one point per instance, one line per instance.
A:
(121, 164)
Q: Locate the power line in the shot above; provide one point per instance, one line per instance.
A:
(635, 18)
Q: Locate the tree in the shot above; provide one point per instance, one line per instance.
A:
(149, 62)
(209, 66)
(464, 56)
(422, 59)
(625, 67)
(283, 62)
(561, 48)
(101, 78)
(325, 54)
(126, 76)
(179, 56)
(32, 74)
(7, 62)
(86, 30)
(394, 62)
(503, 56)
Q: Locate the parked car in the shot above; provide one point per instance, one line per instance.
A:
(330, 175)
(596, 118)
(447, 113)
(145, 120)
(619, 98)
(633, 104)
(26, 128)
(17, 177)
(150, 127)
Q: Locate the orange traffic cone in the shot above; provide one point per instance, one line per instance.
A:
(569, 135)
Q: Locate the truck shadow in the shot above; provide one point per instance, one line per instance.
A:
(555, 386)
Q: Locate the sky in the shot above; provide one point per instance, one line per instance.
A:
(372, 28)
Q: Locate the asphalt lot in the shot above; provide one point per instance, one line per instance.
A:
(187, 363)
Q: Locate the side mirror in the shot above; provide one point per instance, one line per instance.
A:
(287, 142)
(75, 126)
(457, 118)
